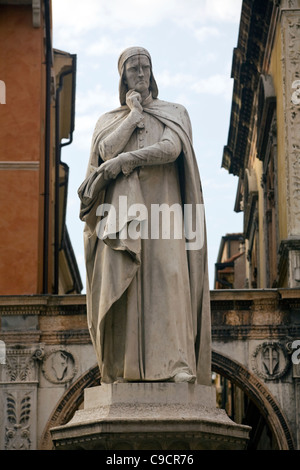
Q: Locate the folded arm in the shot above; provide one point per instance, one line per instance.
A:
(165, 151)
(115, 142)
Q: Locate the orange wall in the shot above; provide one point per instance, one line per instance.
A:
(21, 140)
(19, 221)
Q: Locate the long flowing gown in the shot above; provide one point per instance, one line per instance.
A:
(148, 299)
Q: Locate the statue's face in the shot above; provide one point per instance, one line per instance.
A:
(137, 73)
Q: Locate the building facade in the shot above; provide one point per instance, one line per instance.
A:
(230, 265)
(263, 141)
(37, 108)
(263, 151)
(46, 355)
(36, 121)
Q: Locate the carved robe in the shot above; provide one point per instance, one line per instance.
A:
(148, 302)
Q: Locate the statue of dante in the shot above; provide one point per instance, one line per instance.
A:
(148, 301)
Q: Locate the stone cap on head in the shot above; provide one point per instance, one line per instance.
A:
(130, 52)
(125, 55)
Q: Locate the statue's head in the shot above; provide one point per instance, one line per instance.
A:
(130, 54)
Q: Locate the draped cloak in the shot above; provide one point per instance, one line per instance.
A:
(113, 264)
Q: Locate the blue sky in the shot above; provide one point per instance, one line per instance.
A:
(191, 43)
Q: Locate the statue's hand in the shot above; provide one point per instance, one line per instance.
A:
(133, 101)
(111, 168)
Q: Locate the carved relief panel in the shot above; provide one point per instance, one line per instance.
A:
(21, 364)
(18, 397)
(291, 72)
(270, 360)
(18, 427)
(59, 366)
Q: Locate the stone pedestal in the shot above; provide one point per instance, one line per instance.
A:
(150, 416)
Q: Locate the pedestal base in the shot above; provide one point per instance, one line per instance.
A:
(150, 416)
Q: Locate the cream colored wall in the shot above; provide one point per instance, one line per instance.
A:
(262, 282)
(256, 165)
(276, 73)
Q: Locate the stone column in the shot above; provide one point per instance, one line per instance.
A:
(18, 397)
(290, 44)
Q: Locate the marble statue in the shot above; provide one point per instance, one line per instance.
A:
(148, 301)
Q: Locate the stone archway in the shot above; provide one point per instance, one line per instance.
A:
(223, 365)
(259, 394)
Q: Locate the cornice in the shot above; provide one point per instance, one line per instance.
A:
(247, 65)
(43, 305)
(235, 314)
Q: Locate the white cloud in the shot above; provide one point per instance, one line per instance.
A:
(167, 79)
(90, 106)
(106, 45)
(101, 27)
(72, 203)
(96, 99)
(224, 10)
(184, 99)
(213, 184)
(111, 15)
(214, 85)
(84, 128)
(204, 12)
(115, 15)
(208, 58)
(206, 32)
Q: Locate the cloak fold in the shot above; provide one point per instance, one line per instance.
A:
(112, 263)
